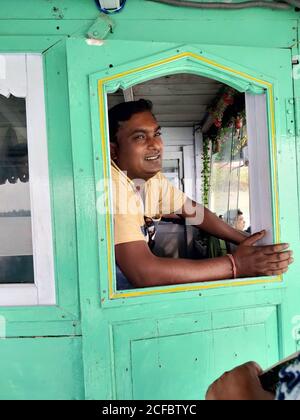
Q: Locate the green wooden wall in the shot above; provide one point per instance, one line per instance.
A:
(169, 345)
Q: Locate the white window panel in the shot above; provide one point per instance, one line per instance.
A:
(259, 166)
(21, 75)
(189, 171)
(198, 146)
(13, 75)
(10, 227)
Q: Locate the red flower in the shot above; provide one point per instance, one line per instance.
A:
(238, 123)
(218, 123)
(228, 99)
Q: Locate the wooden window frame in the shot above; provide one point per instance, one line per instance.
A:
(102, 84)
(43, 291)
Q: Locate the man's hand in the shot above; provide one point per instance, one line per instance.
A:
(242, 383)
(270, 260)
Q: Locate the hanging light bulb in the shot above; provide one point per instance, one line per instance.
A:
(110, 6)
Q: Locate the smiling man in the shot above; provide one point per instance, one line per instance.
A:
(142, 193)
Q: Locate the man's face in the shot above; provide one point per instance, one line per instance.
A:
(139, 146)
(240, 222)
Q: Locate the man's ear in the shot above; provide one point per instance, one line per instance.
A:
(113, 151)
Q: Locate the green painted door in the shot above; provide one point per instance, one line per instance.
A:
(171, 342)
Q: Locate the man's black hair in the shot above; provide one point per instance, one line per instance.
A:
(123, 112)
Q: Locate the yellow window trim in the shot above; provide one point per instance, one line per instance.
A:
(182, 288)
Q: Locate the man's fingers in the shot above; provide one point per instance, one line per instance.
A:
(254, 238)
(273, 249)
(279, 256)
(277, 273)
(253, 367)
(280, 265)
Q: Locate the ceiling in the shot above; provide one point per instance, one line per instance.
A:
(179, 100)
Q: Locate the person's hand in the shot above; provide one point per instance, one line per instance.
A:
(242, 383)
(268, 260)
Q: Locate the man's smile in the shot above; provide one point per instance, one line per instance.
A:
(152, 157)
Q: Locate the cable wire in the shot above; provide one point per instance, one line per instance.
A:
(281, 5)
(295, 3)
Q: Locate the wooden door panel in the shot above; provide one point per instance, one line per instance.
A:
(171, 367)
(178, 358)
(219, 339)
(256, 339)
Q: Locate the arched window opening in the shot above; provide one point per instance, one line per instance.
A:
(215, 144)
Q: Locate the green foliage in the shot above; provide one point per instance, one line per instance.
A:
(206, 158)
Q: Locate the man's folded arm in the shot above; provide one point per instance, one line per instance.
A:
(204, 219)
(143, 269)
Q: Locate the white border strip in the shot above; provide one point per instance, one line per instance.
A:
(42, 292)
(259, 166)
(39, 182)
(18, 295)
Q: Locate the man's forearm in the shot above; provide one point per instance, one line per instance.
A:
(169, 271)
(210, 223)
(144, 269)
(217, 227)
